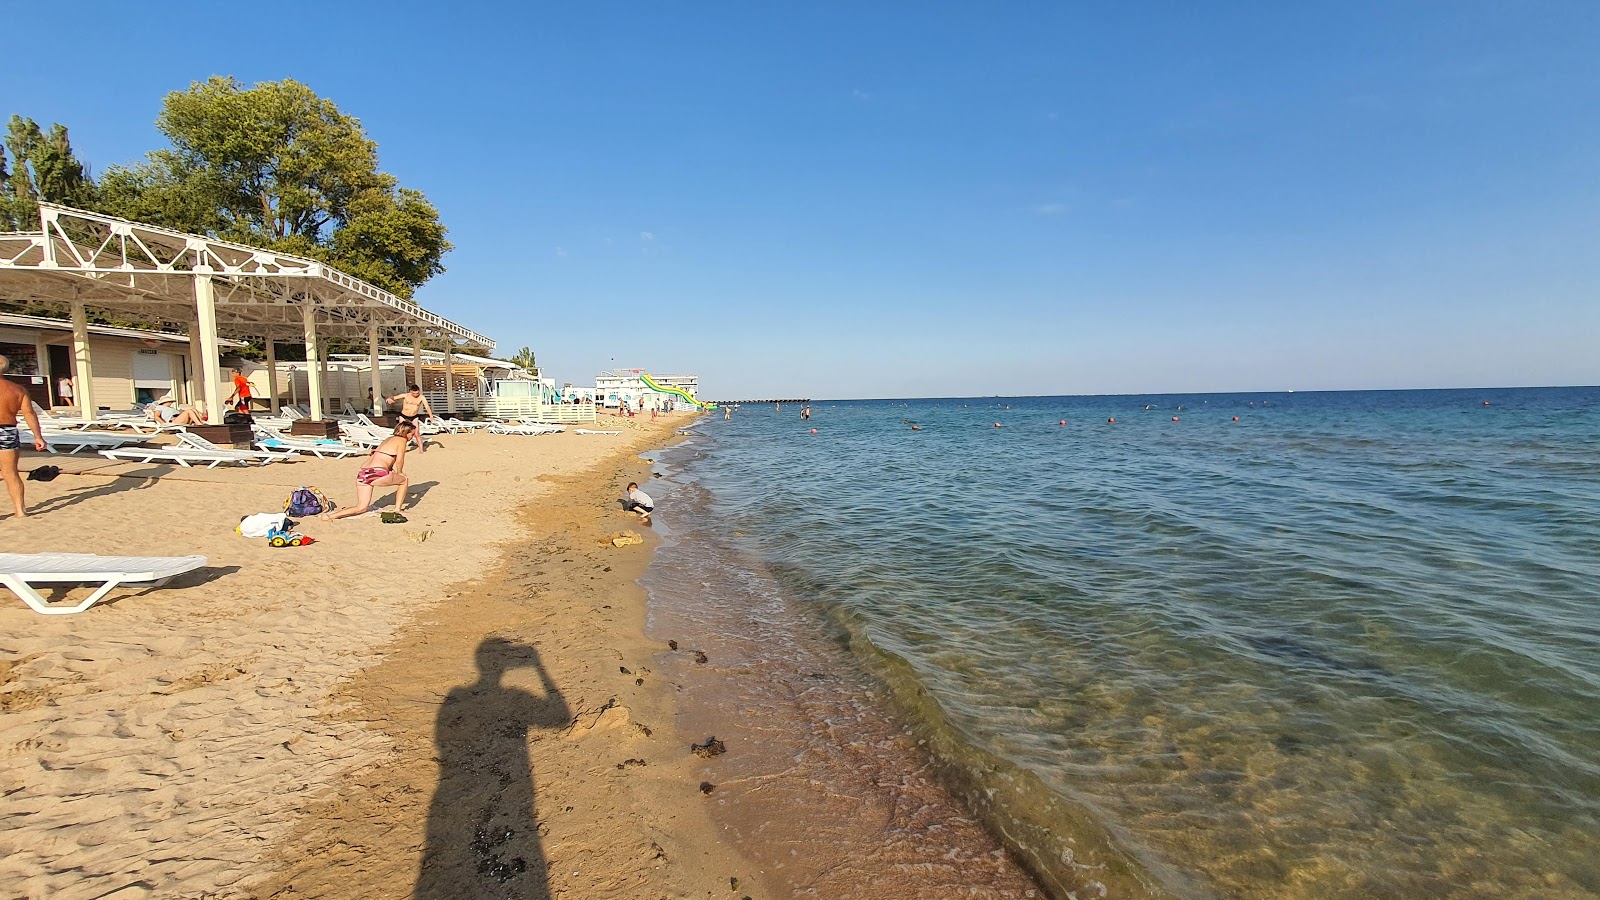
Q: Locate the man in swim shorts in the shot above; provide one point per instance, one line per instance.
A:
(638, 502)
(414, 409)
(13, 399)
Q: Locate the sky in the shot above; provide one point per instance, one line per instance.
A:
(841, 200)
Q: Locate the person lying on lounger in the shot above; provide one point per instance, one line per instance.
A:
(168, 414)
(385, 466)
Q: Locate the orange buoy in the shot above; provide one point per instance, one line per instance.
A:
(1236, 418)
(1485, 403)
(997, 424)
(1112, 421)
(1062, 422)
(916, 428)
(1174, 418)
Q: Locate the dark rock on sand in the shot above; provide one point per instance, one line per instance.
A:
(709, 748)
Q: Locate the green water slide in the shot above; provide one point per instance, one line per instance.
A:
(676, 392)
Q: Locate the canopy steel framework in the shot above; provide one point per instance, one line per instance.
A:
(211, 288)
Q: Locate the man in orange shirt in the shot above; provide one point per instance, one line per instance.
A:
(241, 390)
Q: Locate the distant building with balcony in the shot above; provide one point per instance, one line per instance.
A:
(615, 387)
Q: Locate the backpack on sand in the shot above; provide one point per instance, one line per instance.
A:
(306, 501)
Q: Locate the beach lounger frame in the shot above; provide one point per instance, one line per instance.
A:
(21, 571)
(80, 440)
(188, 457)
(270, 442)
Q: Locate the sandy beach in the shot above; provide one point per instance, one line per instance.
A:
(346, 719)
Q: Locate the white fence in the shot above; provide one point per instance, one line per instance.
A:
(532, 410)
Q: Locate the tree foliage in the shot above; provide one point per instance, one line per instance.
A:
(524, 358)
(41, 166)
(279, 167)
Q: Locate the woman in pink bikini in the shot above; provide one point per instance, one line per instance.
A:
(385, 466)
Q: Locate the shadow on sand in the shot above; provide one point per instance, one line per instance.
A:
(483, 836)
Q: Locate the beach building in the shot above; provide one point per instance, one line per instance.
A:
(614, 387)
(132, 365)
(212, 290)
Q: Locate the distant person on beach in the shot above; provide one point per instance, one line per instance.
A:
(13, 399)
(638, 502)
(385, 466)
(168, 413)
(64, 390)
(241, 392)
(413, 409)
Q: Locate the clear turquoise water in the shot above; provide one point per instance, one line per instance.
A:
(1348, 646)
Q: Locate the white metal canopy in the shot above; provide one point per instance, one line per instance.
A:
(208, 287)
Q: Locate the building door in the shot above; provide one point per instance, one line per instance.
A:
(60, 362)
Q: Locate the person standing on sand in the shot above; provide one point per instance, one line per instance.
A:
(13, 399)
(385, 466)
(241, 392)
(413, 408)
(638, 502)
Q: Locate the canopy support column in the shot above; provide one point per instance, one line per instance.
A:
(191, 387)
(82, 365)
(449, 378)
(323, 380)
(308, 315)
(205, 301)
(416, 360)
(272, 374)
(372, 360)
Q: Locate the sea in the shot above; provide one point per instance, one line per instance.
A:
(1285, 645)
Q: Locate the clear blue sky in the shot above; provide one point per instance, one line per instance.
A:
(848, 200)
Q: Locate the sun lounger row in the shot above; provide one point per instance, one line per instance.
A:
(192, 451)
(524, 428)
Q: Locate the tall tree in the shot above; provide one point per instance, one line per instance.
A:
(524, 358)
(43, 167)
(277, 166)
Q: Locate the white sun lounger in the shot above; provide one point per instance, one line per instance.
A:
(196, 442)
(367, 436)
(529, 428)
(322, 449)
(21, 571)
(425, 426)
(70, 442)
(188, 456)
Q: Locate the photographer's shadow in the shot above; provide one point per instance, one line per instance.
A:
(483, 835)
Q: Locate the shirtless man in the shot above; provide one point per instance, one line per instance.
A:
(413, 408)
(13, 399)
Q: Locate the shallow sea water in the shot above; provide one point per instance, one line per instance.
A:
(1348, 646)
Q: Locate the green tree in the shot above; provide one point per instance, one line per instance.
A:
(43, 167)
(277, 166)
(524, 358)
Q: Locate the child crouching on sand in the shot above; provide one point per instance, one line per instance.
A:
(639, 502)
